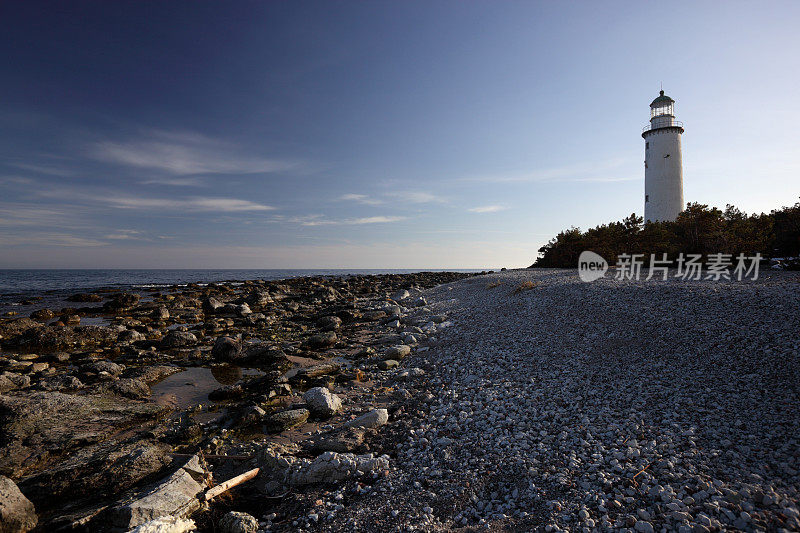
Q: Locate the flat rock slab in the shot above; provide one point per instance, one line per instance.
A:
(36, 427)
(176, 495)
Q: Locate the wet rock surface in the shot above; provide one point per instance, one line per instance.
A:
(92, 438)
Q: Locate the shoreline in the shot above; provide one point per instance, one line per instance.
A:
(527, 400)
(266, 343)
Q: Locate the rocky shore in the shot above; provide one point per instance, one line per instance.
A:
(137, 419)
(513, 401)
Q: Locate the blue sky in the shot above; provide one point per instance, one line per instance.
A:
(372, 135)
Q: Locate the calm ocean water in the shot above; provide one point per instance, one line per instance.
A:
(29, 282)
(53, 286)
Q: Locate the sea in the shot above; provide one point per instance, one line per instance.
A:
(53, 286)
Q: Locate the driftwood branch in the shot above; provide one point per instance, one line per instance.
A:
(213, 492)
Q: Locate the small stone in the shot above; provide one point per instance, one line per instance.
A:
(372, 419)
(388, 364)
(322, 402)
(237, 522)
(398, 352)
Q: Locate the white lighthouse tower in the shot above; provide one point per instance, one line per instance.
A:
(663, 164)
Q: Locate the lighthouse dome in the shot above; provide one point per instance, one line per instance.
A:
(662, 100)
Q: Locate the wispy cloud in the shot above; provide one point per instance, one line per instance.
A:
(26, 214)
(487, 209)
(193, 203)
(180, 153)
(15, 180)
(176, 182)
(600, 171)
(125, 234)
(47, 239)
(361, 199)
(416, 197)
(45, 169)
(320, 220)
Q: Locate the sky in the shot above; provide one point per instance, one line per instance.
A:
(442, 134)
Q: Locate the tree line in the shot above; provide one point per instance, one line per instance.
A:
(699, 229)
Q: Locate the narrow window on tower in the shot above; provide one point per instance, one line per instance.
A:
(646, 146)
(646, 198)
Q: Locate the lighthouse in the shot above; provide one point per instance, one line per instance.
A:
(663, 164)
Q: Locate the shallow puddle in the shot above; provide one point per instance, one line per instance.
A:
(193, 385)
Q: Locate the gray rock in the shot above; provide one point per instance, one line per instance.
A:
(372, 419)
(388, 364)
(236, 522)
(322, 402)
(400, 295)
(398, 352)
(103, 365)
(59, 382)
(212, 305)
(342, 441)
(286, 419)
(419, 301)
(166, 524)
(331, 467)
(130, 336)
(17, 514)
(129, 388)
(175, 495)
(259, 298)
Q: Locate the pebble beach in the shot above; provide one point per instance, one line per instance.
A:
(520, 400)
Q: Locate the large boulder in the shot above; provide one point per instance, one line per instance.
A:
(129, 336)
(327, 294)
(322, 340)
(262, 354)
(159, 313)
(43, 314)
(227, 349)
(259, 298)
(286, 419)
(17, 514)
(121, 301)
(212, 305)
(329, 323)
(322, 402)
(178, 339)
